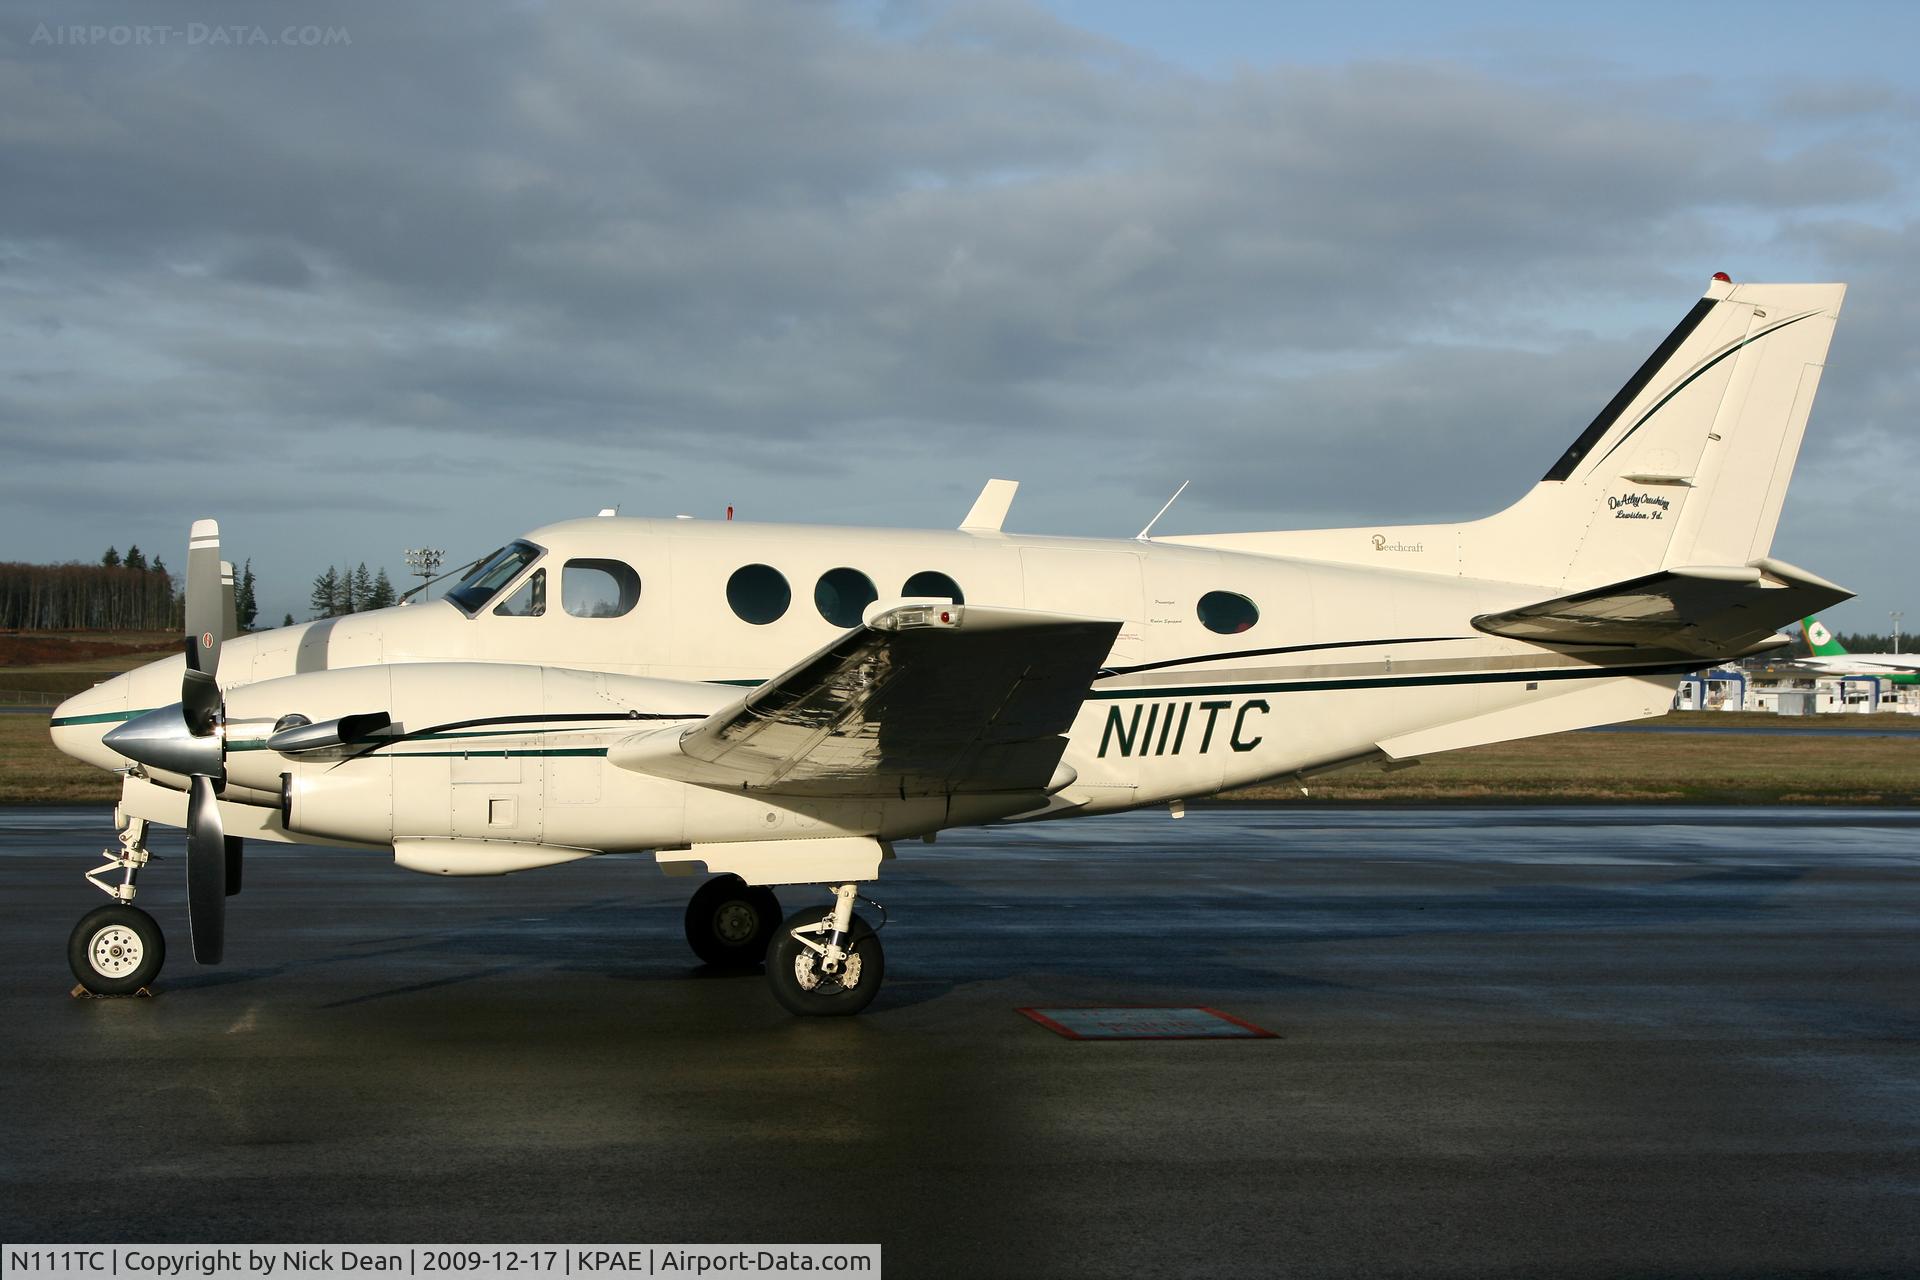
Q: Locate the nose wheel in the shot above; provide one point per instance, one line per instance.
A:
(116, 950)
(730, 922)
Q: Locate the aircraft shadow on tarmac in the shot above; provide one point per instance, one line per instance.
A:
(1192, 942)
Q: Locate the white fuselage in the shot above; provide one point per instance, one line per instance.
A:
(1863, 664)
(1344, 662)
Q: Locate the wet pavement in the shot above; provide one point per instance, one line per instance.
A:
(1522, 1041)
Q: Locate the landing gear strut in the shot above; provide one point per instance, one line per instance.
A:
(826, 965)
(116, 950)
(730, 922)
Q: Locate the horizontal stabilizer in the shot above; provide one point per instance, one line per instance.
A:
(920, 700)
(1711, 611)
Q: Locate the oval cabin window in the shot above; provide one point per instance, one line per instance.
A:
(928, 582)
(758, 593)
(599, 588)
(842, 594)
(1227, 613)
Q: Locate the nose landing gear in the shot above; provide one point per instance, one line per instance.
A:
(118, 949)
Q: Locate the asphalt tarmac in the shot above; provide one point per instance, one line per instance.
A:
(1518, 1041)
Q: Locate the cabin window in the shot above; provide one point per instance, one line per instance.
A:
(598, 588)
(1227, 613)
(928, 582)
(530, 601)
(491, 574)
(842, 595)
(758, 593)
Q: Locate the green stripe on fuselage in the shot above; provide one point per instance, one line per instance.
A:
(98, 717)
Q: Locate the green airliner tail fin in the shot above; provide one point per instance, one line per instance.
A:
(1819, 639)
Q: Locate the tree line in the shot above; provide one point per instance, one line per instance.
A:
(132, 593)
(121, 593)
(341, 591)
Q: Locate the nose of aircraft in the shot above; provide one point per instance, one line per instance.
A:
(81, 722)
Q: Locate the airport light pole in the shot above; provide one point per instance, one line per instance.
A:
(1897, 615)
(425, 562)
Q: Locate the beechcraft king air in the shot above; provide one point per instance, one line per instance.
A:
(785, 705)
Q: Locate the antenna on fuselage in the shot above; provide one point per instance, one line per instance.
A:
(1142, 535)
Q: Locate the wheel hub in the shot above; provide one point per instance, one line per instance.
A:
(115, 951)
(736, 923)
(807, 972)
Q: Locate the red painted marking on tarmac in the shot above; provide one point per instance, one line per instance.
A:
(1127, 1022)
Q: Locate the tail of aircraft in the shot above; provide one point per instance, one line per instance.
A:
(1687, 465)
(1821, 641)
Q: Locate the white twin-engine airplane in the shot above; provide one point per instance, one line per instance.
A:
(784, 704)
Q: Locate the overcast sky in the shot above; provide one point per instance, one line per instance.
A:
(355, 277)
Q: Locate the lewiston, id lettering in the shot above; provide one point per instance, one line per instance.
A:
(1172, 728)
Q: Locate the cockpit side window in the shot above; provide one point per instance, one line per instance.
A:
(530, 601)
(598, 588)
(493, 573)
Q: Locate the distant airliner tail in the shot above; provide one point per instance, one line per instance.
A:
(1820, 640)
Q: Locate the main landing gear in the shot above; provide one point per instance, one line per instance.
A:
(118, 949)
(730, 923)
(826, 965)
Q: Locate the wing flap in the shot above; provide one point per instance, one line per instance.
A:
(1711, 611)
(918, 701)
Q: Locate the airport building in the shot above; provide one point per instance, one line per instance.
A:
(1788, 692)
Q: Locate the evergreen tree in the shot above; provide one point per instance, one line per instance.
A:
(382, 591)
(325, 601)
(362, 588)
(245, 607)
(136, 558)
(287, 621)
(111, 560)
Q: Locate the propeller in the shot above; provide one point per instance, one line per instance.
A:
(213, 861)
(190, 739)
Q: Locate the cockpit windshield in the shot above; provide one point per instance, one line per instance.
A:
(493, 573)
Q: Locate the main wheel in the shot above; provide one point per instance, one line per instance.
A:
(793, 970)
(116, 950)
(730, 923)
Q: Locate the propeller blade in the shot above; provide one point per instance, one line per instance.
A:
(235, 848)
(199, 694)
(206, 872)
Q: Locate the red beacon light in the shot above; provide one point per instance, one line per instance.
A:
(1723, 277)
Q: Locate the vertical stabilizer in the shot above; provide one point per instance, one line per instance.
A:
(1821, 641)
(1686, 465)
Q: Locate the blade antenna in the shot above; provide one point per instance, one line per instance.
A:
(1142, 535)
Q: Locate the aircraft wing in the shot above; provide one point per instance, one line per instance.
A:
(920, 700)
(1714, 612)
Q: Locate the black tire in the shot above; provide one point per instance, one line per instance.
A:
(790, 966)
(730, 923)
(116, 950)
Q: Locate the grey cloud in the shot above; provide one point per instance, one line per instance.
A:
(775, 241)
